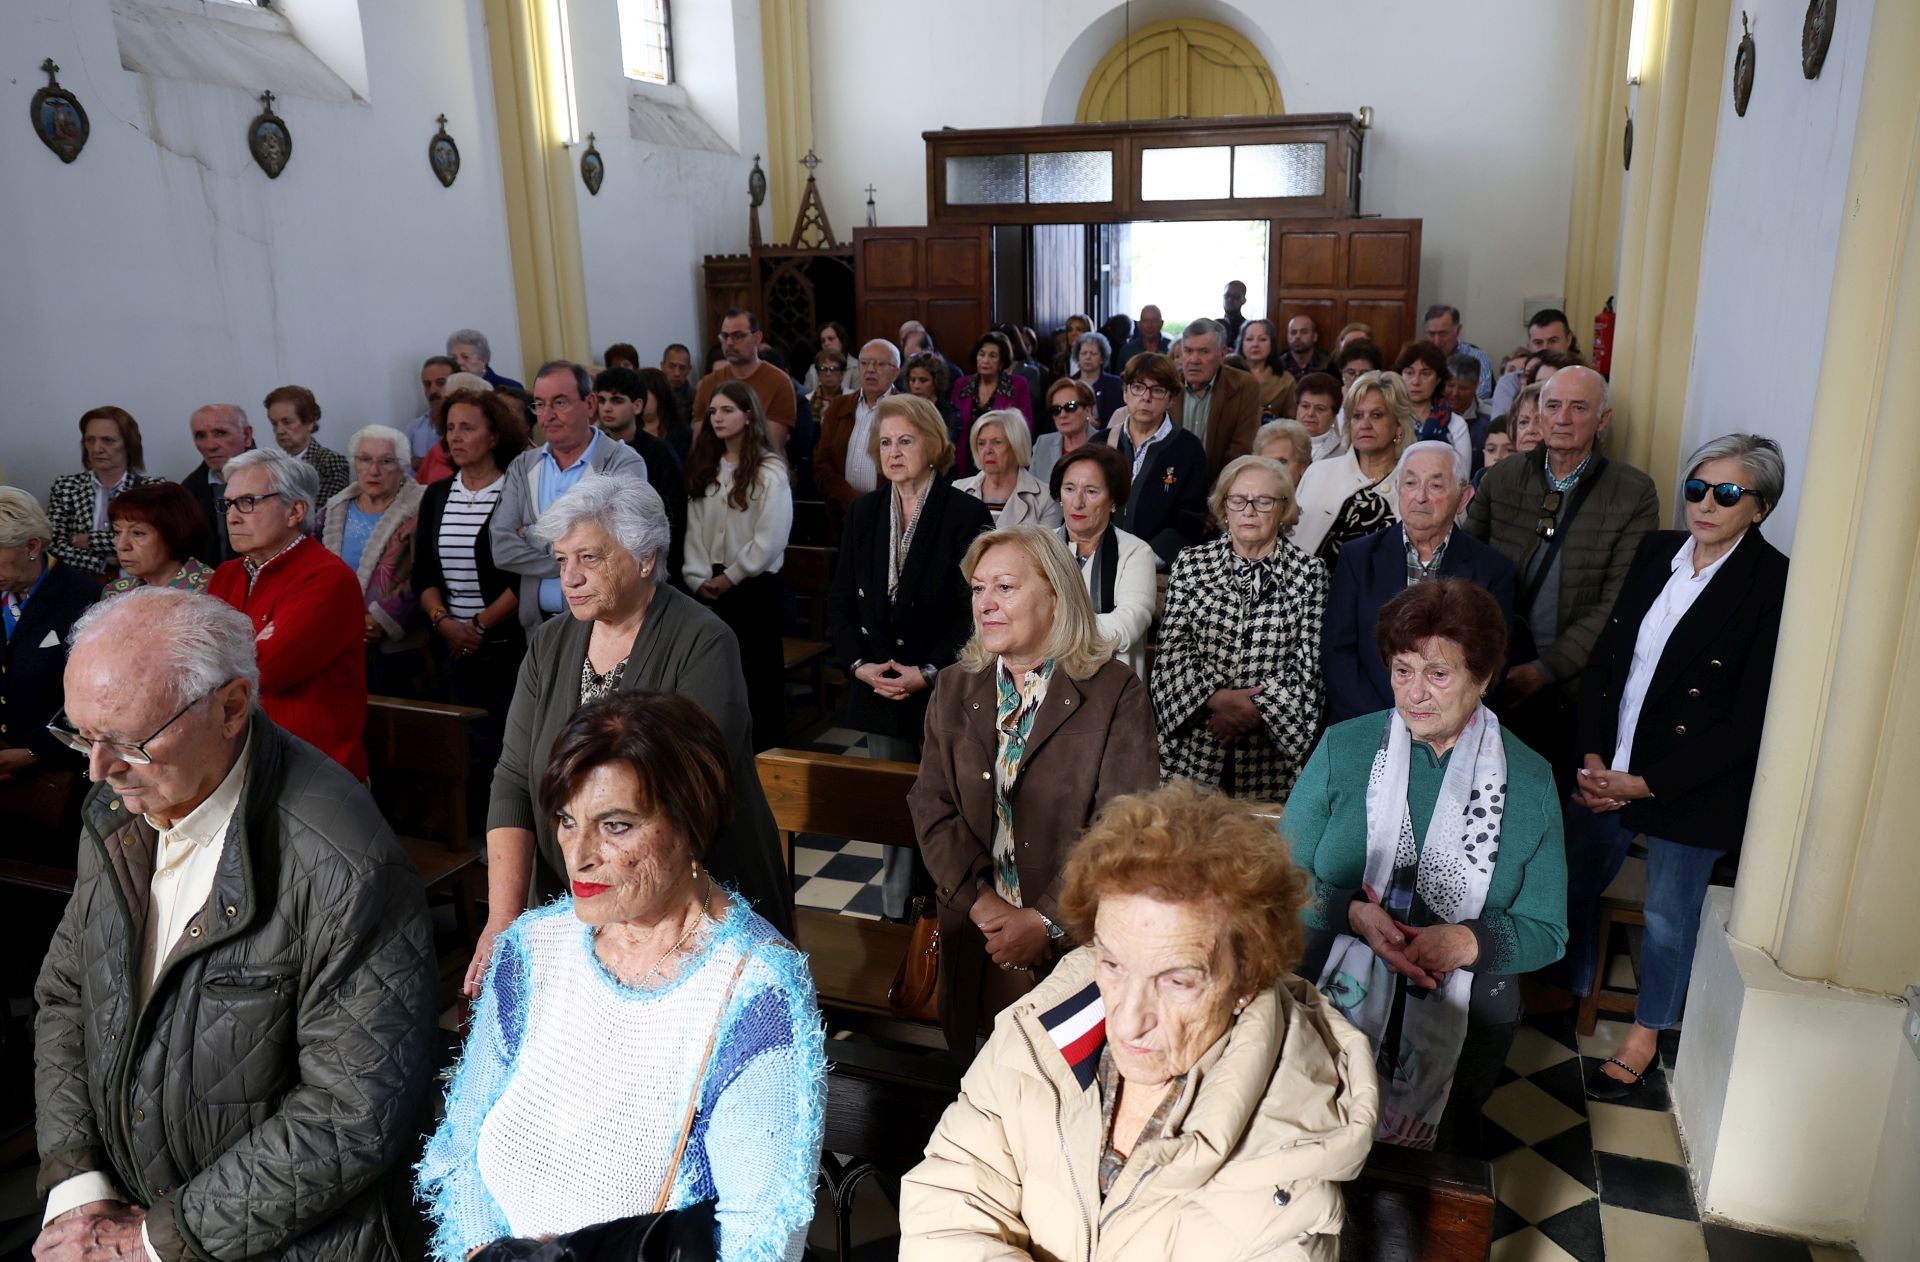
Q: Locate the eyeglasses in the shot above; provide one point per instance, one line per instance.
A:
(245, 503)
(1262, 504)
(1064, 409)
(1725, 494)
(1141, 390)
(135, 752)
(1549, 515)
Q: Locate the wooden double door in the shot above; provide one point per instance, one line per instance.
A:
(1335, 270)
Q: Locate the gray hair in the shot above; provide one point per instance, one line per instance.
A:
(239, 413)
(1606, 390)
(195, 643)
(1465, 367)
(893, 352)
(1098, 339)
(1760, 456)
(1462, 472)
(628, 509)
(1202, 327)
(581, 377)
(1439, 309)
(295, 481)
(1013, 424)
(1293, 432)
(474, 338)
(402, 448)
(22, 520)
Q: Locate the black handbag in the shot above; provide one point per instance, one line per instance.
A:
(674, 1235)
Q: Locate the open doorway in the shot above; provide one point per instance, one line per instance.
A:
(1182, 267)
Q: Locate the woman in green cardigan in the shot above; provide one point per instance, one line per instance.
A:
(1432, 838)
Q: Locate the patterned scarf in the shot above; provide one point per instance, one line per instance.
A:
(1443, 881)
(900, 540)
(1013, 722)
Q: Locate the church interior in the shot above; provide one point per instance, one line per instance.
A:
(1716, 200)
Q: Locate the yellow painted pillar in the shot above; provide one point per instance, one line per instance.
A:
(1676, 117)
(539, 172)
(786, 50)
(1828, 876)
(1593, 235)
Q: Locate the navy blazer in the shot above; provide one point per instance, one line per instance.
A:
(1697, 742)
(1168, 504)
(1372, 571)
(33, 663)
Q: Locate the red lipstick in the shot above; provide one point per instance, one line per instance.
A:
(587, 889)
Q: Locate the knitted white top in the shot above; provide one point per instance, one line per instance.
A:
(567, 1104)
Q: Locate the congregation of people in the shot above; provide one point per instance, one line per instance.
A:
(1259, 681)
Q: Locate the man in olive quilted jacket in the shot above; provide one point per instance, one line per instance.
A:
(231, 1053)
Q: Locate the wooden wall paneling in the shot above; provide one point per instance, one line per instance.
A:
(942, 277)
(1342, 270)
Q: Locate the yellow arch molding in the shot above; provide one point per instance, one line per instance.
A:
(1185, 68)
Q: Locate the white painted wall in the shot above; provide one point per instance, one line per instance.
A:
(163, 270)
(1774, 207)
(662, 210)
(1485, 161)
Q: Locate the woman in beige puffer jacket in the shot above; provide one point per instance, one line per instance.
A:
(1256, 1127)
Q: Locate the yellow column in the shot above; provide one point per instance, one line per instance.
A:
(539, 171)
(1675, 119)
(1828, 877)
(1593, 235)
(786, 50)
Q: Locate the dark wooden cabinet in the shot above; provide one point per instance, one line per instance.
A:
(1342, 270)
(942, 277)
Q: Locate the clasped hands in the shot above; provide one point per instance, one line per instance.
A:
(99, 1231)
(714, 588)
(1424, 955)
(890, 680)
(1231, 713)
(1016, 936)
(1602, 789)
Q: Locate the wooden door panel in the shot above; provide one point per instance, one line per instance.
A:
(1327, 314)
(942, 277)
(1377, 260)
(1343, 270)
(1392, 321)
(1310, 260)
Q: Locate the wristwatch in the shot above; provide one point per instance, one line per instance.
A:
(929, 673)
(1054, 932)
(439, 616)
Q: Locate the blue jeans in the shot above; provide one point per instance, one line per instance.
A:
(1677, 877)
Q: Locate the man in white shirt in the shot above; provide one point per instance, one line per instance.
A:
(282, 994)
(843, 467)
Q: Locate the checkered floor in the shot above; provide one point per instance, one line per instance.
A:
(830, 874)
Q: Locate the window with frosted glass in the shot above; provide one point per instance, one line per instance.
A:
(1079, 176)
(987, 179)
(1200, 173)
(1279, 170)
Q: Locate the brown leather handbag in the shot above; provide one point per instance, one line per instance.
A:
(916, 983)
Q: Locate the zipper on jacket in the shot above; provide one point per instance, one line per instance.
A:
(1060, 1128)
(1131, 1192)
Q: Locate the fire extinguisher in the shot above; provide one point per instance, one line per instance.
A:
(1603, 340)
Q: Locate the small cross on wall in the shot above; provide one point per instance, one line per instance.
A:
(49, 69)
(266, 102)
(810, 162)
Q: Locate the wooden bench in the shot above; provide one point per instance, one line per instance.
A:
(417, 758)
(808, 572)
(853, 960)
(1409, 1206)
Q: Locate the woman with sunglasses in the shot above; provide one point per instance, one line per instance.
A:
(1075, 411)
(1671, 707)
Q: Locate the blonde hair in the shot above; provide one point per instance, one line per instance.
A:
(1014, 426)
(1287, 512)
(22, 520)
(1074, 642)
(1391, 387)
(920, 414)
(1292, 431)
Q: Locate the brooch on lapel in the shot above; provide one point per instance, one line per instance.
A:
(1166, 479)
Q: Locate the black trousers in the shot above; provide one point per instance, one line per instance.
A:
(752, 611)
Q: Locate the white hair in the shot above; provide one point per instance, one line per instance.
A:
(295, 481)
(628, 509)
(402, 448)
(893, 352)
(1456, 462)
(1014, 425)
(1606, 390)
(194, 643)
(22, 520)
(473, 338)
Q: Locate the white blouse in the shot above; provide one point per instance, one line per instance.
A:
(1324, 487)
(744, 544)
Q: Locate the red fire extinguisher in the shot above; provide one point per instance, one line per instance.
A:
(1603, 340)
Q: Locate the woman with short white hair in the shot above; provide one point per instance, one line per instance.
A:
(1002, 451)
(370, 526)
(1288, 442)
(39, 601)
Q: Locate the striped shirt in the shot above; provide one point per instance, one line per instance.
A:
(465, 517)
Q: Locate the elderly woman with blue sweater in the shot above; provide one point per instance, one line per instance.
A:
(645, 1069)
(1432, 838)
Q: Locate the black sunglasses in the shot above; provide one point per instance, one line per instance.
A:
(1065, 409)
(1725, 494)
(1549, 515)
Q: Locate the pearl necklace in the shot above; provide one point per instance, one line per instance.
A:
(702, 919)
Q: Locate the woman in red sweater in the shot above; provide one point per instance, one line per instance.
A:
(305, 604)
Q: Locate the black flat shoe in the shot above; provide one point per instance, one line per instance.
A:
(1602, 1085)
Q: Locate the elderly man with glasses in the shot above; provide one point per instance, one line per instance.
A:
(843, 469)
(1570, 520)
(305, 605)
(236, 1016)
(568, 412)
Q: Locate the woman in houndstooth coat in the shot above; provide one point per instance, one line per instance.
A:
(1236, 681)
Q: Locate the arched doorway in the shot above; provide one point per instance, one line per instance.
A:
(1185, 68)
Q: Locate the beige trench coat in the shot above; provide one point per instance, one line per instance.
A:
(1275, 1116)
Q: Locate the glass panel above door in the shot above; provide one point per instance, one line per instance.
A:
(1081, 175)
(1199, 173)
(1279, 170)
(987, 179)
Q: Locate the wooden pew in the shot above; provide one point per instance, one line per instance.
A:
(1418, 1206)
(807, 573)
(417, 754)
